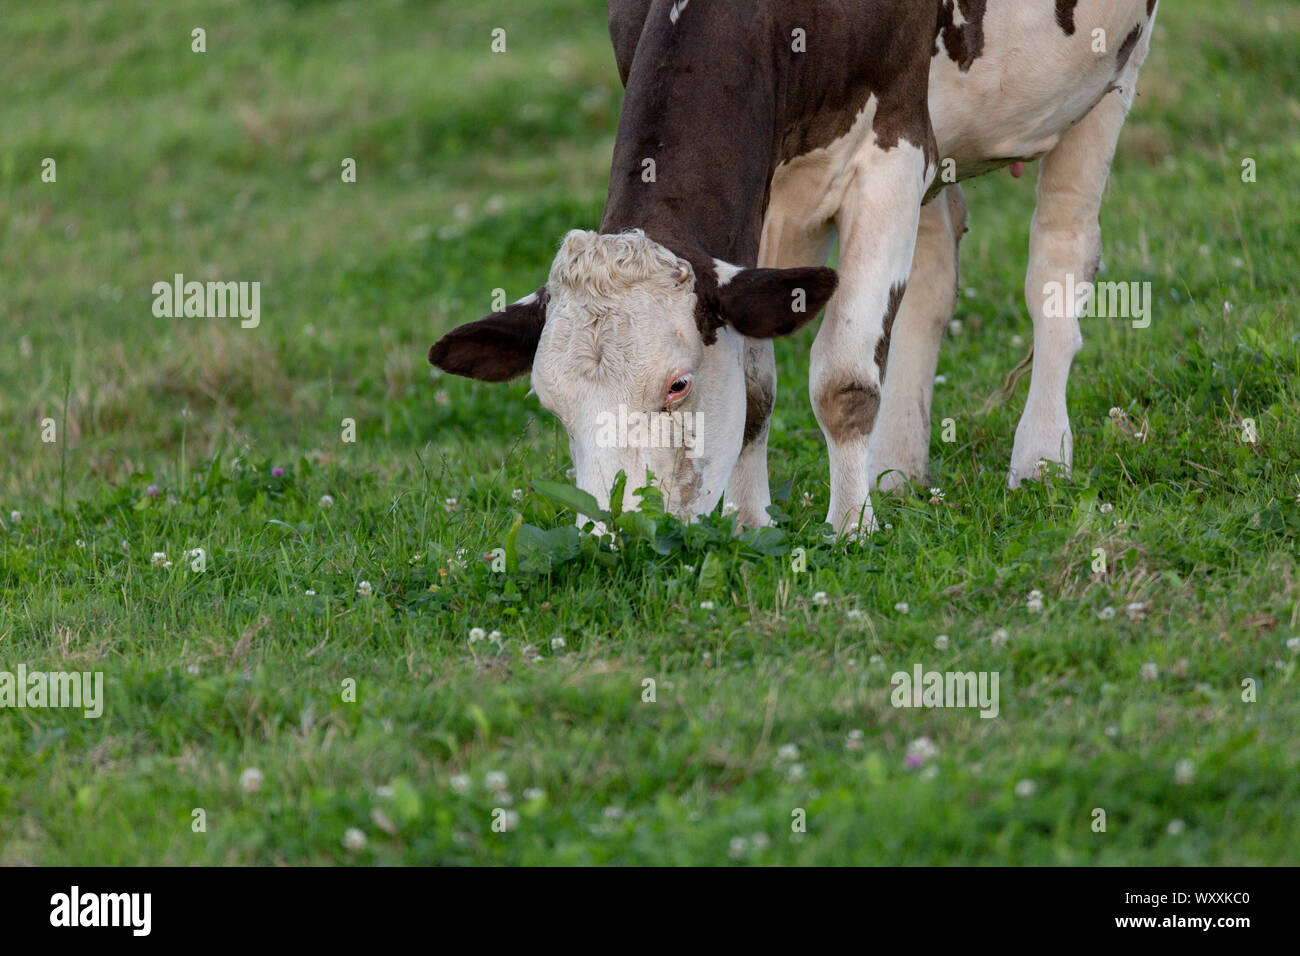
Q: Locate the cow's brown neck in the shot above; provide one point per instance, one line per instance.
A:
(694, 154)
(721, 97)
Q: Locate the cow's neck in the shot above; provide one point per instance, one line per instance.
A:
(710, 131)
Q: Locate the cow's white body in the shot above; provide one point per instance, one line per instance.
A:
(1033, 93)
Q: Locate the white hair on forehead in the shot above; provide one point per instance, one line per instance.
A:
(594, 266)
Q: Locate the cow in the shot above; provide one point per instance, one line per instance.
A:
(754, 133)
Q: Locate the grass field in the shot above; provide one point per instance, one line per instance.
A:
(769, 698)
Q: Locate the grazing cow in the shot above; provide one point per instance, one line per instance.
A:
(755, 132)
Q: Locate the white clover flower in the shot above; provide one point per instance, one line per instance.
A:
(251, 780)
(706, 605)
(530, 653)
(737, 847)
(326, 501)
(954, 327)
(874, 659)
(460, 783)
(1105, 507)
(159, 559)
(192, 670)
(80, 543)
(941, 642)
(1017, 341)
(613, 813)
(1149, 671)
(476, 634)
(936, 493)
(854, 614)
(797, 771)
(807, 500)
(310, 593)
(919, 751)
(1026, 788)
(730, 508)
(496, 781)
(1000, 637)
(1107, 613)
(1034, 603)
(517, 494)
(759, 841)
(1116, 413)
(1184, 772)
(1293, 645)
(534, 793)
(1176, 827)
(820, 599)
(1136, 611)
(788, 752)
(16, 517)
(941, 380)
(495, 638)
(354, 841)
(558, 644)
(450, 505)
(364, 589)
(1112, 730)
(901, 607)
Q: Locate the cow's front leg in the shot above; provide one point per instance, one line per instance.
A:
(878, 226)
(900, 442)
(747, 489)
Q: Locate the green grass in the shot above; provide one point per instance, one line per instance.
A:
(470, 167)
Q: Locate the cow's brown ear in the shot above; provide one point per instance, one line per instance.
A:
(768, 303)
(497, 348)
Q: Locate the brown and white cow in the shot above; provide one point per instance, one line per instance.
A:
(755, 132)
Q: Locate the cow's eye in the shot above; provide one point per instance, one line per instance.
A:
(678, 389)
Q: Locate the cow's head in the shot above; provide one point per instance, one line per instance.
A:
(639, 352)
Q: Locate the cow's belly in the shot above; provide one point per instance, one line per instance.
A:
(1032, 82)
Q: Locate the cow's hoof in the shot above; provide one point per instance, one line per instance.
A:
(1040, 470)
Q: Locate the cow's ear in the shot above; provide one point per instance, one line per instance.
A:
(768, 303)
(497, 348)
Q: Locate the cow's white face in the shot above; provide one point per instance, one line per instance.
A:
(623, 364)
(641, 359)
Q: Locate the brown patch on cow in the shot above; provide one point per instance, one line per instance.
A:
(1126, 48)
(847, 409)
(759, 399)
(891, 313)
(965, 43)
(707, 315)
(718, 105)
(1065, 15)
(687, 478)
(1151, 6)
